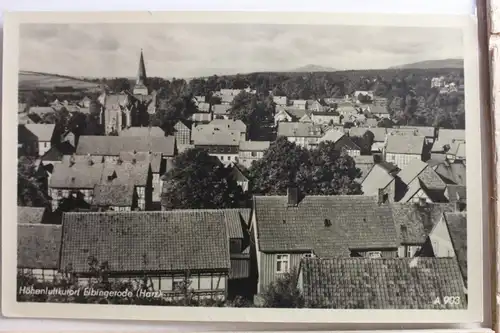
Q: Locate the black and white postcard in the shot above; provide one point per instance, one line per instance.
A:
(262, 167)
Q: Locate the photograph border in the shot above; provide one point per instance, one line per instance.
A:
(477, 174)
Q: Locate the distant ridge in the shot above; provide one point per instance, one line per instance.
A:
(314, 68)
(433, 64)
(37, 80)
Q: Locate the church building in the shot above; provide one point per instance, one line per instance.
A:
(124, 109)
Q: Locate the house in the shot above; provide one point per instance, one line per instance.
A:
(446, 137)
(392, 283)
(40, 111)
(232, 125)
(220, 142)
(378, 133)
(451, 173)
(421, 182)
(329, 117)
(31, 215)
(201, 117)
(456, 152)
(381, 180)
(414, 222)
(166, 247)
(371, 122)
(203, 107)
(360, 94)
(250, 151)
(199, 99)
(379, 111)
(437, 82)
(56, 154)
(346, 109)
(43, 134)
(110, 147)
(240, 275)
(38, 247)
(27, 142)
(401, 149)
(280, 100)
(306, 135)
(457, 194)
(85, 102)
(241, 179)
(221, 111)
(75, 177)
(299, 104)
(159, 166)
(290, 227)
(288, 114)
(316, 105)
(117, 198)
(448, 239)
(364, 163)
(182, 133)
(306, 118)
(342, 142)
(142, 131)
(428, 131)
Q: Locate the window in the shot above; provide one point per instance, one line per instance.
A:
(177, 285)
(222, 158)
(282, 263)
(156, 283)
(374, 254)
(254, 154)
(166, 283)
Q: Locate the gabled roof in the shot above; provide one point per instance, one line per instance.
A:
(221, 109)
(282, 100)
(299, 129)
(378, 109)
(234, 125)
(254, 145)
(377, 178)
(113, 195)
(427, 131)
(30, 215)
(153, 158)
(405, 144)
(38, 246)
(127, 173)
(357, 222)
(79, 175)
(452, 172)
(237, 175)
(181, 126)
(41, 110)
(234, 223)
(212, 135)
(44, 132)
(414, 222)
(172, 241)
(457, 227)
(388, 283)
(56, 152)
(204, 107)
(421, 170)
(114, 145)
(332, 135)
(142, 131)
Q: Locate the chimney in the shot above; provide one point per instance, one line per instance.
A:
(293, 196)
(72, 161)
(134, 160)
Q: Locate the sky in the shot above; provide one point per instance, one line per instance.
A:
(190, 50)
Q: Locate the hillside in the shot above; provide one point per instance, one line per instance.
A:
(433, 64)
(314, 68)
(44, 81)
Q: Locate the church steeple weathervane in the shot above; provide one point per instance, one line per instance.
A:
(140, 83)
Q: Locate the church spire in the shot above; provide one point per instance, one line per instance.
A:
(140, 83)
(141, 73)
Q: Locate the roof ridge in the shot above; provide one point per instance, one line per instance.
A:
(40, 225)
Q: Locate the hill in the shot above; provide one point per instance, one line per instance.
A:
(314, 68)
(433, 64)
(35, 80)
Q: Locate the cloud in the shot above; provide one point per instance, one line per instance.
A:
(186, 50)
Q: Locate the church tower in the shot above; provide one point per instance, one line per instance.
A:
(140, 83)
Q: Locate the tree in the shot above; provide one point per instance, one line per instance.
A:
(31, 189)
(282, 165)
(283, 293)
(173, 109)
(198, 181)
(332, 172)
(320, 171)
